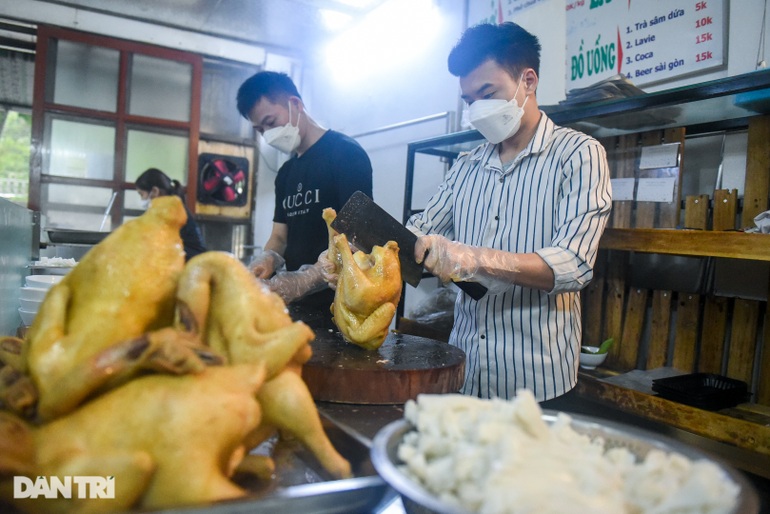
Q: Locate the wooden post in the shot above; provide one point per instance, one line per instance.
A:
(757, 184)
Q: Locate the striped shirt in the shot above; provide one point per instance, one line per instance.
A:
(553, 199)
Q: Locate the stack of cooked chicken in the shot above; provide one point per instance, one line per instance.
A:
(161, 374)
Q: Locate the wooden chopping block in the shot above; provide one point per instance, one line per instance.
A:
(403, 367)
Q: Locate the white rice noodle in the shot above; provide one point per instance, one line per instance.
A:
(498, 456)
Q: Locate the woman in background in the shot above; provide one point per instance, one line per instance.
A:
(153, 183)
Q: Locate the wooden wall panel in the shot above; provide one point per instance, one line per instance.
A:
(668, 214)
(740, 360)
(725, 209)
(633, 324)
(657, 349)
(704, 324)
(614, 301)
(645, 211)
(686, 333)
(716, 308)
(712, 343)
(592, 298)
(763, 388)
(622, 153)
(696, 210)
(757, 184)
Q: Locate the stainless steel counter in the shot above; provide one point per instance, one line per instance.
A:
(16, 230)
(363, 422)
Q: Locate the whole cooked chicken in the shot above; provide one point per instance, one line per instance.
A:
(165, 440)
(241, 319)
(169, 438)
(17, 392)
(368, 288)
(92, 329)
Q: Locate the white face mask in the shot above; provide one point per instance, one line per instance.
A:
(146, 203)
(497, 120)
(285, 139)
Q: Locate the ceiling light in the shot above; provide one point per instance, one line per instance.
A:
(334, 20)
(391, 34)
(359, 4)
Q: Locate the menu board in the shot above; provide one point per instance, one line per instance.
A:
(645, 40)
(498, 11)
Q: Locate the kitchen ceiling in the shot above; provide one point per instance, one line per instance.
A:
(296, 26)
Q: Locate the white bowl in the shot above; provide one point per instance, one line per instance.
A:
(30, 305)
(591, 360)
(27, 317)
(45, 281)
(33, 293)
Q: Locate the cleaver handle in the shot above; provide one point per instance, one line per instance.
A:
(473, 289)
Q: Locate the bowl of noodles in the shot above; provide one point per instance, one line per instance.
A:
(455, 454)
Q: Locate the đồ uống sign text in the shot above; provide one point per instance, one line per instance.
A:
(645, 40)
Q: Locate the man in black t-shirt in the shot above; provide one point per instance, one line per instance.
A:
(325, 168)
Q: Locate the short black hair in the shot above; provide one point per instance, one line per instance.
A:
(273, 85)
(509, 45)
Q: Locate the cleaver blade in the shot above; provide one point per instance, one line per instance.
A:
(366, 224)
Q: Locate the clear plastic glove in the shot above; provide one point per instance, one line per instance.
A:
(294, 285)
(329, 269)
(453, 261)
(264, 264)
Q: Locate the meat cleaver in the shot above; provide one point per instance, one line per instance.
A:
(366, 224)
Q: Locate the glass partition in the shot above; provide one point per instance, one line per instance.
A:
(167, 152)
(81, 150)
(160, 88)
(77, 207)
(219, 88)
(86, 76)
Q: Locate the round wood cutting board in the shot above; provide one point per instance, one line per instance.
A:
(403, 367)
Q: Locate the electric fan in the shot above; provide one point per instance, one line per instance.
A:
(222, 179)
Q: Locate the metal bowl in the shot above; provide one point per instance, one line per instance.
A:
(417, 500)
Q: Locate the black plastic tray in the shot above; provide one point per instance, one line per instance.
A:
(63, 235)
(704, 390)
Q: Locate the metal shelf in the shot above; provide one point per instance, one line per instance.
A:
(722, 104)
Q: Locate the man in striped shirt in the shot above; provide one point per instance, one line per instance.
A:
(521, 214)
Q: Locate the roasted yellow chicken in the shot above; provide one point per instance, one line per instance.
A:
(368, 288)
(167, 441)
(221, 301)
(17, 392)
(115, 376)
(91, 331)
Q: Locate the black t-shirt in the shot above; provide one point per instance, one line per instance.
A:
(324, 176)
